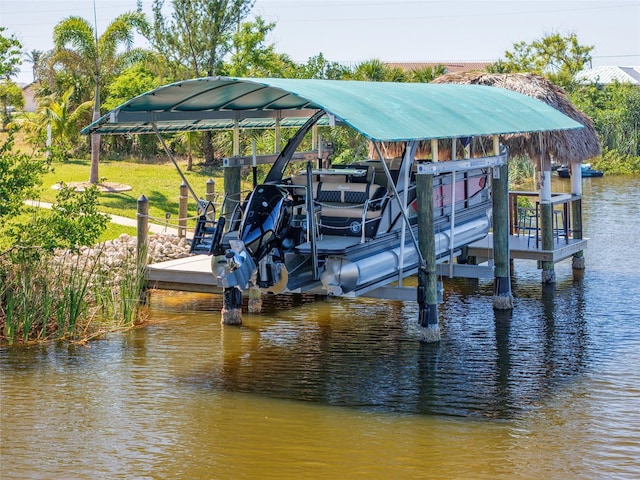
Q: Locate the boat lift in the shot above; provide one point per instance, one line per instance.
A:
(382, 112)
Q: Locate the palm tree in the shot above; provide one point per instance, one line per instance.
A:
(34, 57)
(428, 73)
(78, 48)
(63, 117)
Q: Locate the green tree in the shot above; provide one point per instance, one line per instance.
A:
(133, 81)
(615, 111)
(10, 97)
(79, 49)
(371, 70)
(65, 121)
(320, 67)
(252, 57)
(19, 175)
(555, 56)
(10, 52)
(197, 38)
(427, 74)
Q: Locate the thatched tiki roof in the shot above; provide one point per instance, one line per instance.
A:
(564, 146)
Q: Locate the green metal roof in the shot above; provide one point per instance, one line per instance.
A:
(381, 111)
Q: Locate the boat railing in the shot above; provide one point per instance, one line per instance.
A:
(232, 209)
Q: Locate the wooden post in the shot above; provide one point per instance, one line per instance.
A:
(502, 297)
(182, 210)
(236, 138)
(546, 216)
(231, 189)
(577, 262)
(277, 135)
(143, 228)
(427, 279)
(210, 194)
(254, 304)
(231, 313)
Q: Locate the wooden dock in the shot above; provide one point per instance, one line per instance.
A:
(521, 247)
(190, 274)
(193, 274)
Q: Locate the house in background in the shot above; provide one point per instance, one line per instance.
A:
(607, 75)
(450, 67)
(29, 93)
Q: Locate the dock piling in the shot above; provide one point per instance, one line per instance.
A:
(577, 262)
(427, 281)
(142, 231)
(182, 210)
(502, 297)
(231, 313)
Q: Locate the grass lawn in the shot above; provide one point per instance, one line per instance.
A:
(159, 182)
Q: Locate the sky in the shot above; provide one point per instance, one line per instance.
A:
(354, 31)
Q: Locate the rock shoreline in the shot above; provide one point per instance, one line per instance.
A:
(120, 253)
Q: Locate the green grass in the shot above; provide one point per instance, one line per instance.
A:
(159, 182)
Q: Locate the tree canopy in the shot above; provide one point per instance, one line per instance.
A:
(79, 49)
(10, 52)
(555, 56)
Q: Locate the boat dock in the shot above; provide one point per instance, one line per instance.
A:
(193, 274)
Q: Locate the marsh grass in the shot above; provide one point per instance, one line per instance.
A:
(70, 296)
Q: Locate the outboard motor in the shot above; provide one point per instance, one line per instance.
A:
(266, 220)
(264, 226)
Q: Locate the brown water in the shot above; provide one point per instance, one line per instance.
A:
(339, 388)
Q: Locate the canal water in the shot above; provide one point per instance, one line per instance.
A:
(339, 388)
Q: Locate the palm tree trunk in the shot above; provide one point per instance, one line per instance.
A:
(208, 148)
(95, 138)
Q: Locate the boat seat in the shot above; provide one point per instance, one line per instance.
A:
(344, 206)
(350, 199)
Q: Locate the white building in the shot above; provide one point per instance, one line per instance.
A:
(607, 75)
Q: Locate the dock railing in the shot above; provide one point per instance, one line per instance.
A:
(527, 219)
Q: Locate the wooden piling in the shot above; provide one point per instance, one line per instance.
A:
(231, 313)
(182, 210)
(254, 304)
(143, 228)
(427, 280)
(577, 262)
(210, 194)
(502, 297)
(231, 189)
(546, 217)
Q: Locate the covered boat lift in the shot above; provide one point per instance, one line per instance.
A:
(383, 113)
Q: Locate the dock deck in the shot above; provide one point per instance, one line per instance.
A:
(193, 274)
(521, 247)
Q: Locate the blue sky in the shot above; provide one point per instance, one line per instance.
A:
(389, 30)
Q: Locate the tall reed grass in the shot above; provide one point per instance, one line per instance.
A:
(67, 296)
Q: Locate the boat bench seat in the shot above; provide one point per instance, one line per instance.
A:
(343, 199)
(349, 199)
(344, 207)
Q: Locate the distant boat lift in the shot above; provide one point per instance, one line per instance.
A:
(348, 230)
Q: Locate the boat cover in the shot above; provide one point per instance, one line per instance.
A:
(381, 111)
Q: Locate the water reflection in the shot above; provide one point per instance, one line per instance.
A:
(362, 354)
(334, 388)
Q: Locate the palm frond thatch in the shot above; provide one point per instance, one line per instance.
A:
(564, 146)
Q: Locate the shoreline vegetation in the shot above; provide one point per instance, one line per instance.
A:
(78, 296)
